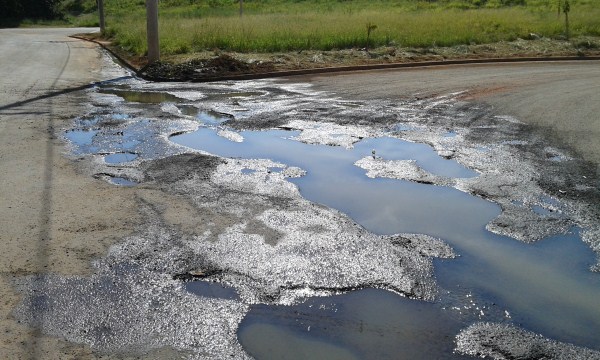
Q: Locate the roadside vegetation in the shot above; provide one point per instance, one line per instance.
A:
(189, 26)
(193, 27)
(17, 12)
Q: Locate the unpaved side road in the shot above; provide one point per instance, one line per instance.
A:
(52, 219)
(560, 98)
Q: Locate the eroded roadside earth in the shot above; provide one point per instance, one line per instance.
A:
(245, 222)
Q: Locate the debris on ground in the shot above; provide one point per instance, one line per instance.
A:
(197, 69)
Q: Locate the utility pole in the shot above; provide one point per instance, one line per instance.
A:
(152, 30)
(559, 7)
(101, 15)
(241, 8)
(566, 9)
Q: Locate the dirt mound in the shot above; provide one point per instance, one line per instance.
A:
(203, 69)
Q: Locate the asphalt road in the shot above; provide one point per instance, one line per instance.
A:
(54, 218)
(561, 98)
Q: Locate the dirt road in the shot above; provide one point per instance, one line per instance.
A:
(559, 97)
(52, 218)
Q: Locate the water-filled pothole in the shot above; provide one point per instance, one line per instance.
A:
(544, 287)
(384, 206)
(121, 181)
(388, 206)
(115, 180)
(364, 324)
(120, 158)
(211, 290)
(81, 137)
(541, 210)
(206, 117)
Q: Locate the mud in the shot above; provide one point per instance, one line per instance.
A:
(198, 69)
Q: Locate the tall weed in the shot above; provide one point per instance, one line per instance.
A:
(280, 25)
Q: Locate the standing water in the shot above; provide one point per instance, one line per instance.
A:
(545, 287)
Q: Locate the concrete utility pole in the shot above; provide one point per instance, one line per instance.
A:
(101, 15)
(566, 9)
(152, 30)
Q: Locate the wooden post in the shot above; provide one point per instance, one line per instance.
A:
(101, 15)
(152, 30)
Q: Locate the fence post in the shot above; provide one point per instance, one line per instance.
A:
(152, 30)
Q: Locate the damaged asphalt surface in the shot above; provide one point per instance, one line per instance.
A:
(189, 215)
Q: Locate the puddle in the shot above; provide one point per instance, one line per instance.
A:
(121, 181)
(383, 206)
(124, 141)
(528, 282)
(248, 171)
(206, 117)
(81, 137)
(211, 290)
(268, 341)
(88, 122)
(115, 180)
(275, 169)
(542, 211)
(189, 110)
(550, 201)
(120, 117)
(364, 324)
(545, 287)
(276, 145)
(119, 158)
(143, 97)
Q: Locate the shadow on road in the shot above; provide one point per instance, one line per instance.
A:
(60, 92)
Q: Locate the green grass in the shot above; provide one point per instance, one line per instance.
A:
(279, 25)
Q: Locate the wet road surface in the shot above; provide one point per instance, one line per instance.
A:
(243, 222)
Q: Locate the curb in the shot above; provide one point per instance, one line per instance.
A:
(355, 68)
(340, 69)
(121, 59)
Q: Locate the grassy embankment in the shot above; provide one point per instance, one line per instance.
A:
(189, 26)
